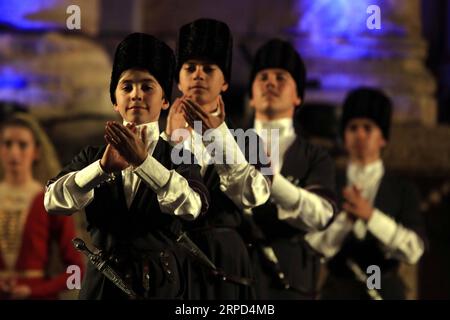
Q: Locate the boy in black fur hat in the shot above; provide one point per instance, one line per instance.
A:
(132, 192)
(302, 192)
(203, 73)
(380, 223)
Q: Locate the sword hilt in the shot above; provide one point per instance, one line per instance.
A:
(80, 245)
(100, 263)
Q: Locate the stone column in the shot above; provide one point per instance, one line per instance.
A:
(62, 75)
(341, 53)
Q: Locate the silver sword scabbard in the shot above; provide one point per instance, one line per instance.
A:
(362, 277)
(184, 241)
(102, 265)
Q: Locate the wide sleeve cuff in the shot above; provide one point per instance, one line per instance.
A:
(91, 176)
(329, 241)
(299, 207)
(382, 226)
(167, 139)
(153, 173)
(175, 196)
(222, 146)
(285, 194)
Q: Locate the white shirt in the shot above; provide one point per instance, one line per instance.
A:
(75, 190)
(278, 135)
(130, 180)
(239, 180)
(297, 206)
(396, 241)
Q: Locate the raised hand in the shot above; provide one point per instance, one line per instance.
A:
(176, 120)
(193, 112)
(130, 146)
(355, 204)
(112, 160)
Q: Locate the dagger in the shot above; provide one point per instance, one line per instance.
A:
(102, 265)
(184, 241)
(362, 277)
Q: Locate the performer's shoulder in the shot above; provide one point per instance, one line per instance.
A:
(312, 150)
(400, 181)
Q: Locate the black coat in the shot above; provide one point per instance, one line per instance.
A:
(307, 166)
(397, 198)
(136, 238)
(216, 233)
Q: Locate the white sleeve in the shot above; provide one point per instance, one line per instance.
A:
(239, 180)
(75, 190)
(299, 207)
(175, 196)
(398, 242)
(329, 241)
(167, 139)
(245, 186)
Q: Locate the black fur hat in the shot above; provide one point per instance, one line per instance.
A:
(143, 51)
(277, 53)
(368, 103)
(206, 39)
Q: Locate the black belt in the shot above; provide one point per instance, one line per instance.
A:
(127, 267)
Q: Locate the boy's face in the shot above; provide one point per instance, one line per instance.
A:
(274, 93)
(202, 81)
(363, 140)
(139, 97)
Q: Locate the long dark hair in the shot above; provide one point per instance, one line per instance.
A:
(47, 165)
